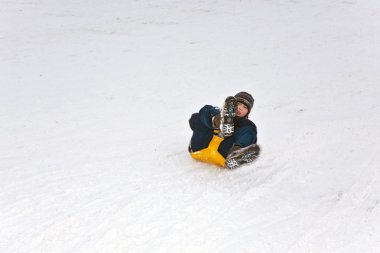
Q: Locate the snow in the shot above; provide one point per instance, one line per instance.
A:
(95, 98)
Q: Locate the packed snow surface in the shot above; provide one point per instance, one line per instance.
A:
(94, 102)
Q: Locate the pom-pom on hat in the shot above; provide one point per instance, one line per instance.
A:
(245, 98)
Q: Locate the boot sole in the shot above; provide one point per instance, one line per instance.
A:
(229, 112)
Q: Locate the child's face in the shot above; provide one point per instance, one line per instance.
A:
(242, 110)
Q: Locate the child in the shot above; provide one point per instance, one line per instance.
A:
(218, 137)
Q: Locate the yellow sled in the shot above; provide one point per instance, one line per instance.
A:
(210, 154)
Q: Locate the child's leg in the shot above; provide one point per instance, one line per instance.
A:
(243, 137)
(203, 129)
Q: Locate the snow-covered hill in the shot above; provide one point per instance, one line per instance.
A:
(94, 102)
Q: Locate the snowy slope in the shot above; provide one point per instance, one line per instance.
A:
(95, 98)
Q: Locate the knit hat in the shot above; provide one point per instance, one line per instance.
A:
(246, 99)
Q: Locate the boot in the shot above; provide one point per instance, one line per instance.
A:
(228, 115)
(234, 150)
(242, 156)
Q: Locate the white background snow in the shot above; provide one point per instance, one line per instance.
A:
(94, 102)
